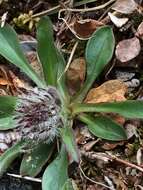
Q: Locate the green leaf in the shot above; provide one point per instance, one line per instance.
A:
(56, 175)
(99, 51)
(7, 105)
(129, 108)
(69, 185)
(10, 49)
(9, 156)
(67, 135)
(48, 54)
(7, 123)
(52, 61)
(104, 127)
(33, 161)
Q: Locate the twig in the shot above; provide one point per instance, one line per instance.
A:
(125, 162)
(49, 11)
(95, 182)
(80, 10)
(106, 157)
(83, 2)
(70, 59)
(26, 177)
(69, 27)
(90, 9)
(58, 7)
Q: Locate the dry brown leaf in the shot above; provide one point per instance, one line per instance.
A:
(10, 84)
(128, 49)
(112, 90)
(4, 82)
(2, 92)
(111, 146)
(125, 6)
(16, 82)
(76, 74)
(139, 32)
(83, 135)
(84, 28)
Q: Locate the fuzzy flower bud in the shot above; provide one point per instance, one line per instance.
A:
(37, 115)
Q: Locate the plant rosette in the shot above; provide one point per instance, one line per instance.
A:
(46, 113)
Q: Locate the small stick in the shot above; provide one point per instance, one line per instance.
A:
(95, 182)
(70, 59)
(49, 11)
(69, 27)
(71, 56)
(26, 177)
(112, 157)
(126, 162)
(90, 9)
(57, 8)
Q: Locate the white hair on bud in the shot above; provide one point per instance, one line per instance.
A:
(37, 114)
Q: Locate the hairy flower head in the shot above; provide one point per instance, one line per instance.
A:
(37, 114)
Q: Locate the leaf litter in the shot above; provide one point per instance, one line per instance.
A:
(104, 164)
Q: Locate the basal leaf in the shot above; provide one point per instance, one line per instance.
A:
(56, 175)
(52, 61)
(7, 123)
(104, 127)
(49, 56)
(99, 51)
(7, 105)
(129, 108)
(69, 185)
(33, 161)
(10, 49)
(9, 156)
(69, 140)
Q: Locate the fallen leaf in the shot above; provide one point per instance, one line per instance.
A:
(89, 145)
(139, 32)
(131, 130)
(2, 92)
(85, 28)
(127, 50)
(83, 135)
(125, 6)
(112, 90)
(10, 84)
(111, 146)
(4, 82)
(119, 22)
(76, 74)
(16, 82)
